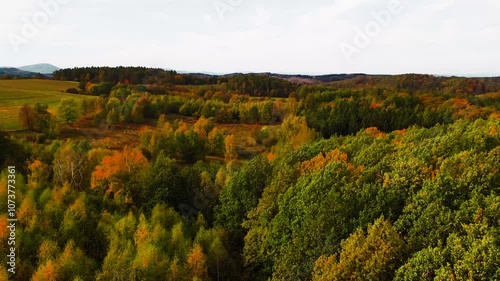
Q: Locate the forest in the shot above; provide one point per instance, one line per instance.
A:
(156, 175)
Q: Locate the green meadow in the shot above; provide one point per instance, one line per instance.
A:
(15, 93)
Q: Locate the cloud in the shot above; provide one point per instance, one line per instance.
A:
(287, 36)
(342, 6)
(440, 5)
(262, 16)
(494, 4)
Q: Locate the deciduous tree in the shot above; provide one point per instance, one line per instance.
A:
(68, 110)
(27, 117)
(121, 173)
(371, 256)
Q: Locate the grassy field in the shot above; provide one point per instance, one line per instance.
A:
(15, 93)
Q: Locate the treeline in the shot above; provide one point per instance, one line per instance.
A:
(346, 111)
(127, 75)
(275, 85)
(420, 83)
(260, 86)
(107, 77)
(13, 76)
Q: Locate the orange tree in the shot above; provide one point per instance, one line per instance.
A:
(120, 174)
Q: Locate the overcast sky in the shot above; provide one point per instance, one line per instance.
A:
(445, 37)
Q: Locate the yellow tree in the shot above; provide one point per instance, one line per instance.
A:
(46, 272)
(39, 173)
(371, 256)
(294, 132)
(231, 149)
(4, 275)
(48, 250)
(176, 272)
(197, 263)
(28, 213)
(202, 127)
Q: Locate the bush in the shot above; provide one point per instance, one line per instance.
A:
(72, 91)
(40, 138)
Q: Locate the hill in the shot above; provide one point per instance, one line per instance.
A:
(43, 68)
(15, 72)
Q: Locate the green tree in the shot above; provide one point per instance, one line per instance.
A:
(117, 264)
(42, 117)
(253, 114)
(266, 114)
(191, 147)
(241, 195)
(423, 265)
(68, 110)
(163, 183)
(216, 142)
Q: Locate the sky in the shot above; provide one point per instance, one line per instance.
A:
(442, 37)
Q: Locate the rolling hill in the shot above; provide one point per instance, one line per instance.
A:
(15, 72)
(43, 68)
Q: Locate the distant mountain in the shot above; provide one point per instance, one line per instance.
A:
(15, 72)
(43, 68)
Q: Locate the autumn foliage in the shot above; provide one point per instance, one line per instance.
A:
(374, 178)
(319, 162)
(370, 256)
(197, 264)
(119, 173)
